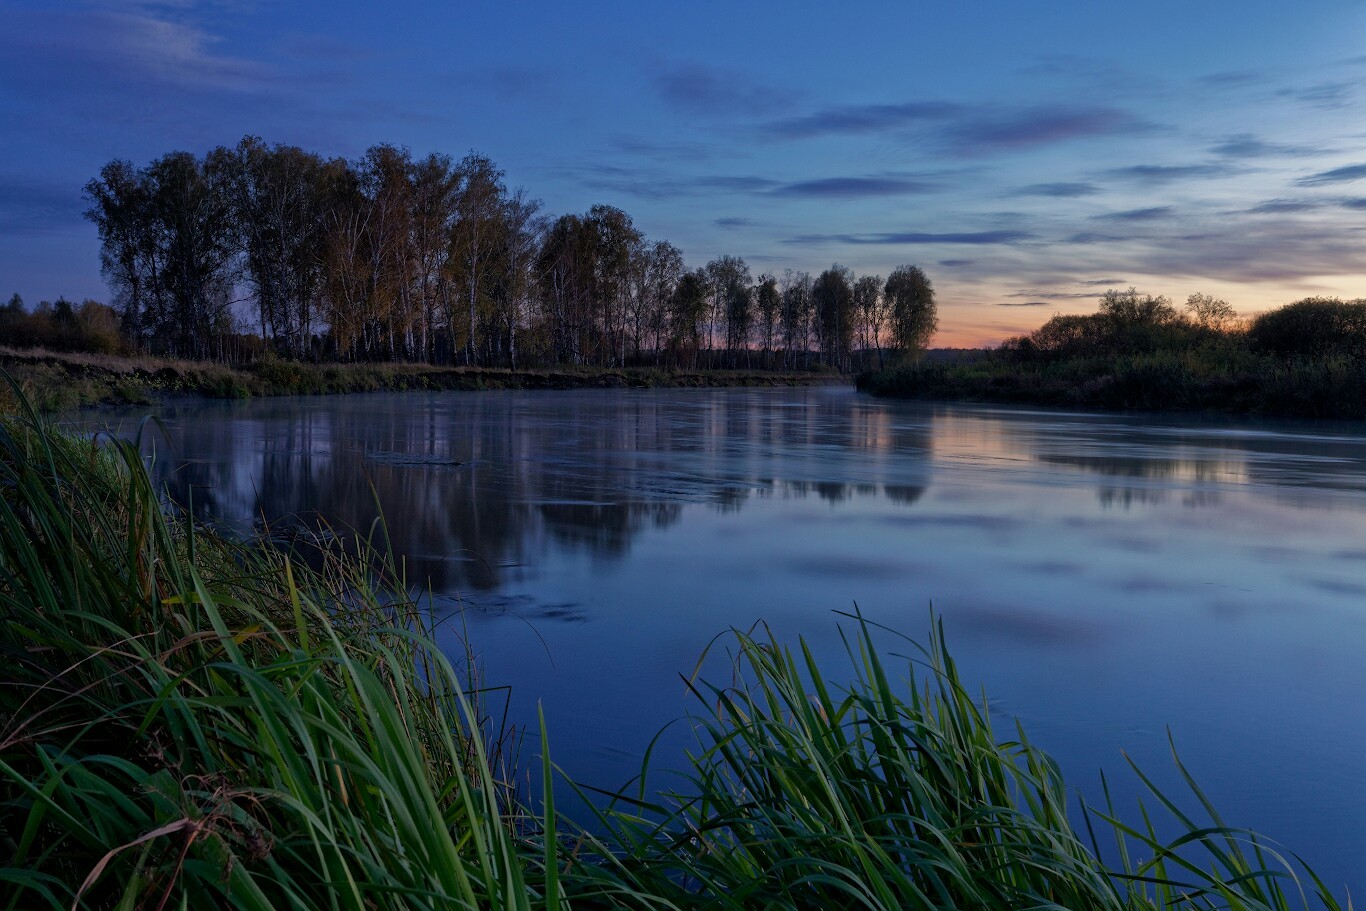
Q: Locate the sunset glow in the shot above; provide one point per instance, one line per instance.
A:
(1026, 158)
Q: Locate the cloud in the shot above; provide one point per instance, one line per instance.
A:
(709, 90)
(660, 151)
(915, 238)
(1254, 249)
(732, 222)
(1328, 96)
(734, 184)
(1283, 206)
(654, 183)
(1059, 190)
(1232, 79)
(1354, 203)
(1038, 126)
(1156, 173)
(959, 128)
(1048, 295)
(862, 119)
(852, 187)
(126, 47)
(1024, 304)
(956, 263)
(1153, 213)
(1336, 175)
(1245, 145)
(1091, 237)
(513, 81)
(31, 204)
(1103, 282)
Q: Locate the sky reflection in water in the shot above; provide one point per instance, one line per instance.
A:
(1105, 578)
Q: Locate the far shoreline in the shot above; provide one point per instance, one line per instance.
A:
(56, 381)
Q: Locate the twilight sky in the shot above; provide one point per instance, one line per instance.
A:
(1026, 155)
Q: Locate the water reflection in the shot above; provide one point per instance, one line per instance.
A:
(1106, 577)
(473, 488)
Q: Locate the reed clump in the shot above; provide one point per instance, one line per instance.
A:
(190, 722)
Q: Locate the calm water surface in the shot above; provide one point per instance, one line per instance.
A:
(1107, 579)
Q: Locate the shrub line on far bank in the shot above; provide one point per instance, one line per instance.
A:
(1306, 359)
(58, 381)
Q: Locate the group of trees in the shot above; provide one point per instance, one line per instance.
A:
(61, 326)
(393, 257)
(1127, 322)
(1130, 323)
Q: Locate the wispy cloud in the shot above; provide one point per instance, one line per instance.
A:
(1328, 96)
(956, 263)
(126, 46)
(30, 204)
(1159, 174)
(852, 187)
(915, 238)
(732, 222)
(1084, 238)
(713, 91)
(1152, 213)
(660, 151)
(1284, 206)
(1050, 295)
(656, 183)
(1037, 126)
(1059, 190)
(1103, 282)
(1229, 79)
(961, 128)
(1024, 304)
(1246, 145)
(862, 119)
(1336, 175)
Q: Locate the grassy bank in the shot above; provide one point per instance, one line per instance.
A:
(1330, 387)
(58, 381)
(191, 722)
(1306, 359)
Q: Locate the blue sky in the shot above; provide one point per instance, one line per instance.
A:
(1026, 155)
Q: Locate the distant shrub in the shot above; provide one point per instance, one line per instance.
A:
(1315, 327)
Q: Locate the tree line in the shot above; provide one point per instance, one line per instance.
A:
(393, 257)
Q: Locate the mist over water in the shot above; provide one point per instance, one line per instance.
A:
(1106, 579)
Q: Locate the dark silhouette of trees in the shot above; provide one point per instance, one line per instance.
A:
(1313, 328)
(868, 307)
(796, 318)
(1210, 312)
(833, 295)
(278, 197)
(911, 310)
(391, 257)
(732, 304)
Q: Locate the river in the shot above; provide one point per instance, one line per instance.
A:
(1106, 579)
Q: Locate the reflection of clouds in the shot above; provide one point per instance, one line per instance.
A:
(1024, 624)
(846, 566)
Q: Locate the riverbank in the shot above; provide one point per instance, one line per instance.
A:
(56, 381)
(1306, 359)
(187, 721)
(1245, 384)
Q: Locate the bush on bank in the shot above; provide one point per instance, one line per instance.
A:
(1306, 359)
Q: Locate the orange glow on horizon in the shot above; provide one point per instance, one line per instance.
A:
(969, 320)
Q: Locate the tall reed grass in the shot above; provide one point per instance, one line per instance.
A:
(191, 722)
